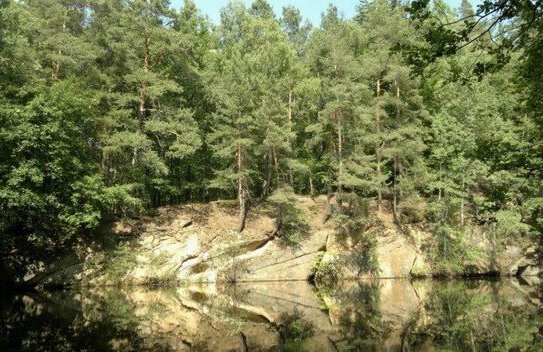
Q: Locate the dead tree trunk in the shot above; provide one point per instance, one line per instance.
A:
(340, 158)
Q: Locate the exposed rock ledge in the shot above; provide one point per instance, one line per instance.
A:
(197, 243)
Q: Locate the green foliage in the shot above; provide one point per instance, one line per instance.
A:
(363, 258)
(509, 225)
(119, 262)
(354, 220)
(291, 221)
(229, 266)
(114, 108)
(470, 319)
(453, 254)
(358, 242)
(413, 209)
(327, 270)
(356, 231)
(294, 326)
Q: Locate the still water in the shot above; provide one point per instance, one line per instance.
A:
(384, 315)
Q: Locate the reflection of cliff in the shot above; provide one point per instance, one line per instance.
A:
(378, 315)
(370, 314)
(182, 320)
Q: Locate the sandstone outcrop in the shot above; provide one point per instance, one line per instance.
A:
(197, 243)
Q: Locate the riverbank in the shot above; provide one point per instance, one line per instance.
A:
(199, 243)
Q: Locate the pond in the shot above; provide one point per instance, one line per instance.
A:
(380, 315)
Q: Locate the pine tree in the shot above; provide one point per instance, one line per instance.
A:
(297, 32)
(233, 137)
(147, 128)
(397, 106)
(262, 9)
(466, 10)
(337, 129)
(60, 34)
(257, 58)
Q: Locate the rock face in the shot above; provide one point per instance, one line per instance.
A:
(395, 256)
(523, 262)
(197, 243)
(277, 262)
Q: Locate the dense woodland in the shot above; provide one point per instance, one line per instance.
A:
(111, 108)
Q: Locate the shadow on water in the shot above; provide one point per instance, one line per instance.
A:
(56, 322)
(383, 315)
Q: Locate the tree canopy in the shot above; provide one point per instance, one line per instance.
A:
(114, 108)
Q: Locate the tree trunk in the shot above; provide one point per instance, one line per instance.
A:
(56, 63)
(267, 181)
(340, 157)
(395, 193)
(396, 163)
(143, 88)
(377, 149)
(276, 166)
(289, 112)
(134, 156)
(141, 108)
(242, 192)
(462, 206)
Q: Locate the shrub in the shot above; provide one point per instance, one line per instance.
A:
(231, 266)
(326, 271)
(294, 326)
(413, 209)
(118, 262)
(453, 253)
(292, 226)
(509, 225)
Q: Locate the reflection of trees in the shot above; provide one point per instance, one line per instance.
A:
(55, 323)
(457, 316)
(466, 317)
(359, 316)
(293, 329)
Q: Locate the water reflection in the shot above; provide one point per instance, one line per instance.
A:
(386, 315)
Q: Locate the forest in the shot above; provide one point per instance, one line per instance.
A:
(112, 108)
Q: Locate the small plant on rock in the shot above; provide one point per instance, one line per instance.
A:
(326, 270)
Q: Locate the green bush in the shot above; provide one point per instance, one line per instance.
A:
(353, 220)
(509, 225)
(293, 326)
(119, 262)
(326, 270)
(364, 256)
(413, 209)
(452, 253)
(292, 225)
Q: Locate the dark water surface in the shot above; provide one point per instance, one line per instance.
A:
(384, 315)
